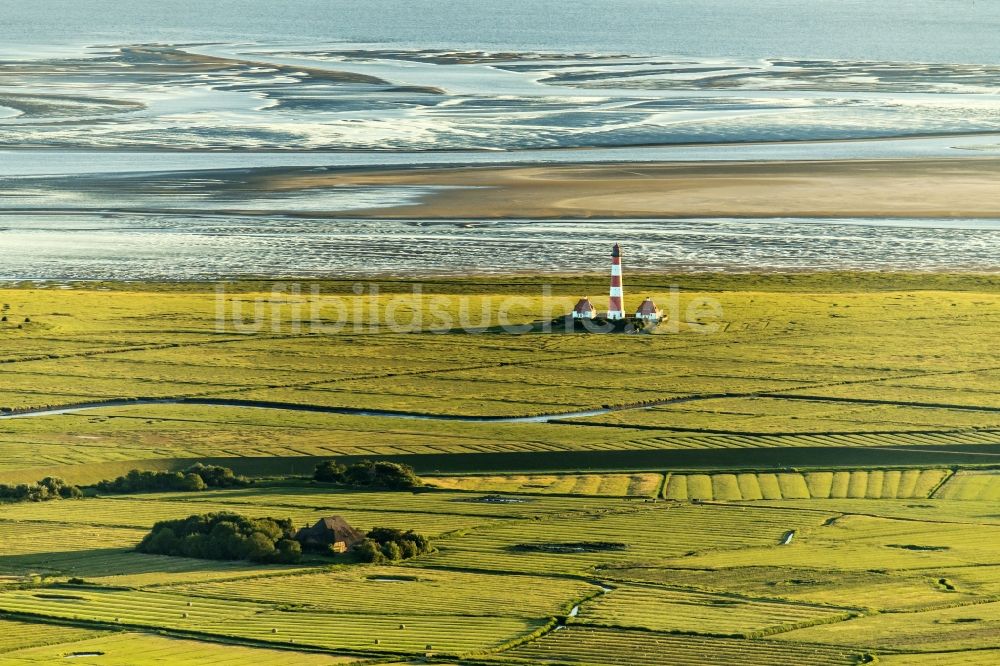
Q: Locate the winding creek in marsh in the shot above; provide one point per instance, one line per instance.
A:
(763, 458)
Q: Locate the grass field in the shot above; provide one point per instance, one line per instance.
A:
(945, 629)
(407, 633)
(430, 591)
(960, 658)
(972, 485)
(620, 485)
(813, 482)
(871, 484)
(121, 648)
(868, 542)
(653, 533)
(881, 590)
(15, 636)
(667, 610)
(597, 647)
(690, 568)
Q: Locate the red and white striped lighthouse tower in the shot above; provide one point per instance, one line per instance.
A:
(615, 309)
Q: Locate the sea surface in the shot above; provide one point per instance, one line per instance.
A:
(183, 97)
(958, 31)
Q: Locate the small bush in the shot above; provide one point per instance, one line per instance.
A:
(369, 551)
(368, 474)
(49, 488)
(329, 471)
(385, 544)
(289, 551)
(392, 551)
(195, 478)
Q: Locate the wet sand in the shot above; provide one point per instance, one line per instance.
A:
(926, 188)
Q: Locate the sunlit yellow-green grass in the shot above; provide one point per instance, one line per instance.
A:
(103, 442)
(136, 649)
(964, 658)
(871, 484)
(934, 510)
(923, 344)
(429, 591)
(139, 513)
(15, 635)
(854, 424)
(868, 542)
(658, 609)
(828, 361)
(784, 368)
(595, 646)
(721, 574)
(90, 446)
(651, 533)
(324, 497)
(972, 485)
(227, 618)
(948, 628)
(828, 585)
(621, 485)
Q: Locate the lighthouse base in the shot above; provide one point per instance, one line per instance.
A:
(602, 325)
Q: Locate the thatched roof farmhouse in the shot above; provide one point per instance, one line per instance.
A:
(330, 532)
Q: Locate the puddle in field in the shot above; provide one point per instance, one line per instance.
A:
(917, 547)
(569, 548)
(59, 597)
(393, 579)
(496, 499)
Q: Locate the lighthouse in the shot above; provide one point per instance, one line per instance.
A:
(615, 309)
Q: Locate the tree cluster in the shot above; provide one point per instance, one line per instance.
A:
(385, 544)
(49, 488)
(225, 536)
(368, 474)
(196, 477)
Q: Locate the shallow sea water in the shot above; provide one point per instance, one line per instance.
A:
(133, 247)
